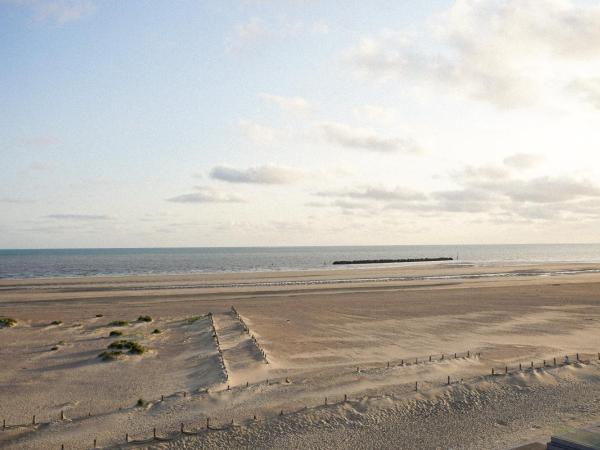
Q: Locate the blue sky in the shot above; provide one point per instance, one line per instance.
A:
(298, 122)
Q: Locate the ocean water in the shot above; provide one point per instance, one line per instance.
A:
(149, 261)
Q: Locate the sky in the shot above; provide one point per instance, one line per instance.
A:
(298, 122)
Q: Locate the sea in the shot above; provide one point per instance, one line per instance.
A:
(46, 263)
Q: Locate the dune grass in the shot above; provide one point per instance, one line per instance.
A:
(144, 319)
(156, 331)
(118, 323)
(7, 322)
(115, 333)
(56, 322)
(134, 347)
(120, 348)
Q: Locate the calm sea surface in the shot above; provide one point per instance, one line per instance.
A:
(147, 261)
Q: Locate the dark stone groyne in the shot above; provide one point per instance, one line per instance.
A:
(387, 261)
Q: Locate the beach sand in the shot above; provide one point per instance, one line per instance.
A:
(324, 334)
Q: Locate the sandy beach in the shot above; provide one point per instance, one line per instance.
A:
(315, 359)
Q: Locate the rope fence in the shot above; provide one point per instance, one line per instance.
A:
(218, 345)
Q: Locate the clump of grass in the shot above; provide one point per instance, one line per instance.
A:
(115, 333)
(60, 343)
(156, 331)
(54, 348)
(118, 323)
(193, 319)
(144, 319)
(99, 315)
(110, 355)
(7, 322)
(56, 322)
(134, 347)
(141, 402)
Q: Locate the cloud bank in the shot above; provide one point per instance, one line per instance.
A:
(508, 52)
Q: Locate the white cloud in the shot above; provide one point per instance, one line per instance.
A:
(288, 104)
(509, 52)
(376, 114)
(261, 134)
(256, 175)
(588, 89)
(522, 161)
(206, 195)
(377, 193)
(60, 11)
(247, 33)
(256, 30)
(367, 139)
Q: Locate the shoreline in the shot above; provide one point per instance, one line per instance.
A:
(384, 272)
